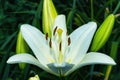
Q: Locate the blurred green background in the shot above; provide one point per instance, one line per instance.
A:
(13, 13)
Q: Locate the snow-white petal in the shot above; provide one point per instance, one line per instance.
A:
(93, 58)
(80, 41)
(36, 40)
(27, 58)
(60, 22)
(97, 58)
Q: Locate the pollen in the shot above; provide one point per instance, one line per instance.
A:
(46, 36)
(50, 43)
(54, 31)
(69, 41)
(60, 46)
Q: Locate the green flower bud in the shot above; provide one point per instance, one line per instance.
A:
(103, 33)
(36, 77)
(49, 15)
(21, 47)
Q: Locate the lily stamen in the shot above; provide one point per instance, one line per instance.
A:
(60, 46)
(50, 43)
(69, 41)
(54, 30)
(46, 36)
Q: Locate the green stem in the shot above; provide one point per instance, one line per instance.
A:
(61, 76)
(92, 10)
(117, 7)
(91, 72)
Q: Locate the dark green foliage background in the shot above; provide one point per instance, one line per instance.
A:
(13, 13)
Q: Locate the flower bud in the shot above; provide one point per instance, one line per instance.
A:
(103, 33)
(21, 47)
(49, 15)
(36, 77)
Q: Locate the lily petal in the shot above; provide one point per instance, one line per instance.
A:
(93, 58)
(80, 41)
(60, 22)
(97, 58)
(36, 40)
(27, 58)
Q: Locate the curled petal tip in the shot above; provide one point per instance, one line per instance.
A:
(10, 60)
(114, 63)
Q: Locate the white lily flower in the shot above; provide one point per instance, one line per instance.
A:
(62, 53)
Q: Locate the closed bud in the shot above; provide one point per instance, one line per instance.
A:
(49, 15)
(103, 33)
(36, 77)
(21, 47)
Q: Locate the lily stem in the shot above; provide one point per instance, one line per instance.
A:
(61, 76)
(91, 72)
